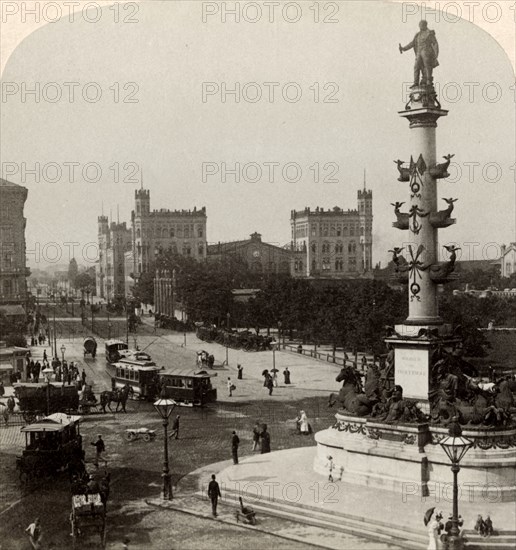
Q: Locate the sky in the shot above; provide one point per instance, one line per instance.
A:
(145, 116)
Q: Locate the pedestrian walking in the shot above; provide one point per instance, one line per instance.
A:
(240, 369)
(286, 375)
(175, 427)
(34, 531)
(83, 376)
(304, 426)
(45, 357)
(2, 389)
(256, 435)
(270, 384)
(235, 442)
(100, 448)
(266, 440)
(231, 387)
(214, 494)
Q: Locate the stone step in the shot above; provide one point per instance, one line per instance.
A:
(345, 524)
(367, 528)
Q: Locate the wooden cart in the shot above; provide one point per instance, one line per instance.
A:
(88, 514)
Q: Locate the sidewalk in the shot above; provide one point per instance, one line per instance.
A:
(308, 376)
(284, 482)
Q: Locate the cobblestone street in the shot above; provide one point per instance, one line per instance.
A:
(205, 436)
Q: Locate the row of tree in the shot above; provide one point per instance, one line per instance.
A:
(349, 314)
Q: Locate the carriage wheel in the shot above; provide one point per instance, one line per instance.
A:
(146, 437)
(130, 436)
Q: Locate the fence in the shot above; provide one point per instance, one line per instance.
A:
(327, 357)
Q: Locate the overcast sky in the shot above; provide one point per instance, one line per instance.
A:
(160, 64)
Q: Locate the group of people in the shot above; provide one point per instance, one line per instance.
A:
(439, 532)
(270, 378)
(205, 359)
(484, 527)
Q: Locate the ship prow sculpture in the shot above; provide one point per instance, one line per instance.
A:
(391, 417)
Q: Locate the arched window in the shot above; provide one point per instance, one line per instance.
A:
(314, 248)
(138, 233)
(352, 231)
(172, 232)
(345, 231)
(200, 249)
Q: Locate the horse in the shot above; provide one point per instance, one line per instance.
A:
(118, 396)
(351, 396)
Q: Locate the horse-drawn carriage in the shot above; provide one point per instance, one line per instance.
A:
(90, 346)
(38, 399)
(51, 444)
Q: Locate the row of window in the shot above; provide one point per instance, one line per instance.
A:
(336, 230)
(186, 231)
(326, 265)
(186, 249)
(326, 248)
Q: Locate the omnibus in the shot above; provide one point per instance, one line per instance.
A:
(188, 387)
(113, 349)
(142, 376)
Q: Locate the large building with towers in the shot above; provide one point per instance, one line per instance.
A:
(180, 231)
(333, 243)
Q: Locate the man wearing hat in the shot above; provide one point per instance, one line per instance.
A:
(100, 448)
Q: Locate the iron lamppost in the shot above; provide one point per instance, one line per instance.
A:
(165, 407)
(455, 446)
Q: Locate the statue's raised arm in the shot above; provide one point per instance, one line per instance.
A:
(426, 49)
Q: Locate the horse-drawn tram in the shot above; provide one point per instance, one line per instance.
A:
(51, 444)
(188, 387)
(140, 376)
(38, 399)
(114, 350)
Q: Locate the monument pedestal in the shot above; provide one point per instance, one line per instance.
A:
(407, 459)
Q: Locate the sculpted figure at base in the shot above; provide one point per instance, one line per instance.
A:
(426, 49)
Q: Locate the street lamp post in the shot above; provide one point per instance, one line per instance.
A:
(228, 328)
(455, 446)
(63, 349)
(184, 326)
(165, 407)
(280, 334)
(55, 337)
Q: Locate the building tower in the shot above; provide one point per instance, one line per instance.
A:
(365, 212)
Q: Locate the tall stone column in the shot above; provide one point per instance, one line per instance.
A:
(422, 113)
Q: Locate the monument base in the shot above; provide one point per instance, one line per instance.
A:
(407, 459)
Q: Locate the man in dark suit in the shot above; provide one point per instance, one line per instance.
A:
(214, 494)
(426, 49)
(235, 441)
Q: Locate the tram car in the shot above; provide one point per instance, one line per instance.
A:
(188, 387)
(142, 377)
(114, 350)
(40, 398)
(51, 444)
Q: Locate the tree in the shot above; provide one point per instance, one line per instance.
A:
(84, 280)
